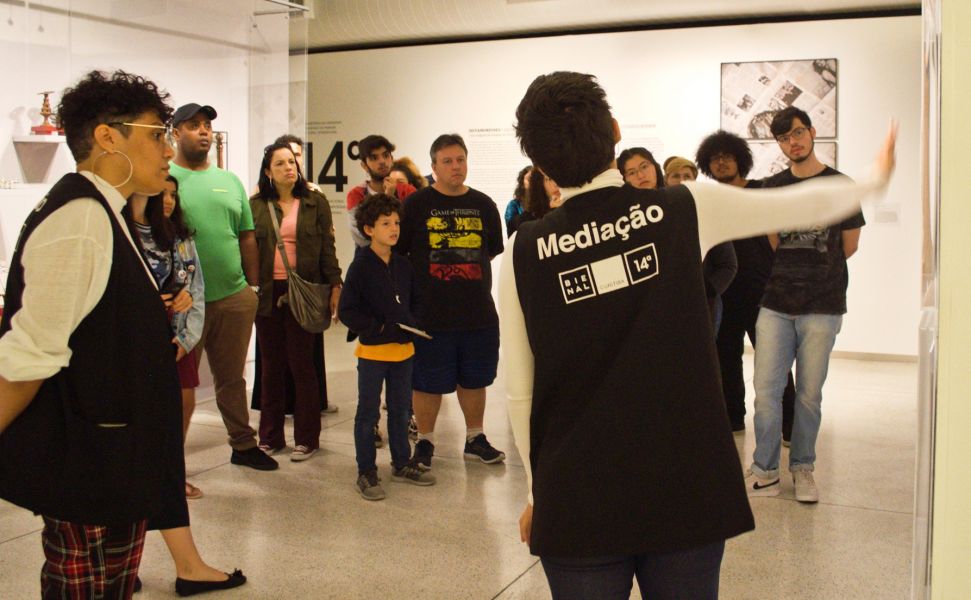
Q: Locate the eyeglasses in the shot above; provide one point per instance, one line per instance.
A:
(796, 134)
(644, 167)
(164, 133)
(722, 158)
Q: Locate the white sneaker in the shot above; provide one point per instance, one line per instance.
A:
(301, 453)
(806, 490)
(760, 486)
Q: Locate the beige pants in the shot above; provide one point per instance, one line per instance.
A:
(225, 337)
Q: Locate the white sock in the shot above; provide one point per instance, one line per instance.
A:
(430, 436)
(471, 432)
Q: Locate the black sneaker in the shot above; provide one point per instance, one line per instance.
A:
(378, 440)
(254, 458)
(422, 458)
(480, 448)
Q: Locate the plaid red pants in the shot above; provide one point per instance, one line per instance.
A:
(88, 562)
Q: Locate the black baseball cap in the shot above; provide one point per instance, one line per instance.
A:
(187, 111)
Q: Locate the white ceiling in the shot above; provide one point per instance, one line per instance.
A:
(344, 23)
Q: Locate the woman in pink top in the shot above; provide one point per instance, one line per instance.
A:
(306, 228)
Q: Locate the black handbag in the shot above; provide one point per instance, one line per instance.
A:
(309, 302)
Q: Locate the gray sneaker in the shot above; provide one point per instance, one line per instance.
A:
(370, 487)
(806, 490)
(410, 473)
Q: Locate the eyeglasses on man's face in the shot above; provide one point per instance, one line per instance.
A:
(723, 157)
(796, 134)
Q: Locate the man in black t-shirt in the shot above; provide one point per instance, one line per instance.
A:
(451, 232)
(802, 311)
(727, 159)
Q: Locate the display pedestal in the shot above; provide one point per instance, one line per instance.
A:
(36, 155)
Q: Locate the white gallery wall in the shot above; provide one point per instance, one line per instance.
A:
(45, 50)
(664, 87)
(219, 53)
(231, 54)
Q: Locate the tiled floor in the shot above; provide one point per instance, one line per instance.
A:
(303, 531)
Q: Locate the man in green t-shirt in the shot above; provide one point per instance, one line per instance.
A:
(217, 209)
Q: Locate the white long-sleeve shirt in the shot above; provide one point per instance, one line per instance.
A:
(66, 261)
(724, 213)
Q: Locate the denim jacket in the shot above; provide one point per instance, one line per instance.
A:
(186, 270)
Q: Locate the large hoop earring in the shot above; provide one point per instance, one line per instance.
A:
(131, 168)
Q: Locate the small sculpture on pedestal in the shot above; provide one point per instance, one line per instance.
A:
(45, 128)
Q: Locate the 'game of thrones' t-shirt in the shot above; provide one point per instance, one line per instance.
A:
(809, 274)
(450, 241)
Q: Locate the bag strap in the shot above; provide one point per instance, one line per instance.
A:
(279, 238)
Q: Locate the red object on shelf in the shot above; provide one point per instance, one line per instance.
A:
(45, 129)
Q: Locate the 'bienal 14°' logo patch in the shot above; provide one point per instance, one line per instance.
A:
(610, 274)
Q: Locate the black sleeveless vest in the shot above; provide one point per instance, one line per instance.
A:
(94, 444)
(631, 448)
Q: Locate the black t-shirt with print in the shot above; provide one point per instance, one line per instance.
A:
(450, 241)
(809, 274)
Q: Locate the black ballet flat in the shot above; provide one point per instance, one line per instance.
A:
(187, 587)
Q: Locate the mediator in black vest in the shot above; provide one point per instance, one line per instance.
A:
(630, 446)
(101, 442)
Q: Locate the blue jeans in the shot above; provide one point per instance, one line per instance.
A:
(685, 575)
(371, 374)
(807, 339)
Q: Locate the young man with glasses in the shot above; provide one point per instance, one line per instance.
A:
(801, 313)
(727, 159)
(217, 208)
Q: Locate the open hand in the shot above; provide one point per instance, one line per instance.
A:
(526, 524)
(179, 350)
(886, 158)
(335, 297)
(182, 301)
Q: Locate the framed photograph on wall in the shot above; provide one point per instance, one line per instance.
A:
(768, 159)
(752, 92)
(219, 149)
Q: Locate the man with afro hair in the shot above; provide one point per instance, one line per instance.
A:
(726, 158)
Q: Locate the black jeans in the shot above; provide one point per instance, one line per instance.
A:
(738, 319)
(686, 575)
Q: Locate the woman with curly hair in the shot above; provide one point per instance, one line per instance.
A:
(91, 420)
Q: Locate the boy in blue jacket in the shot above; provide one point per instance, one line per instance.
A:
(376, 301)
